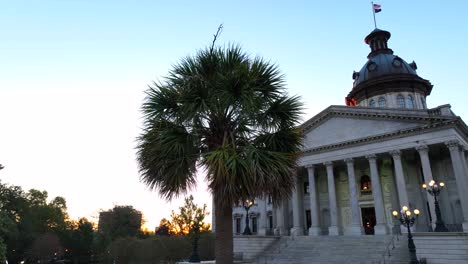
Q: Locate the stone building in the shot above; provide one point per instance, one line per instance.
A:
(365, 159)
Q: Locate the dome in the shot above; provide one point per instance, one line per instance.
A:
(381, 65)
(385, 73)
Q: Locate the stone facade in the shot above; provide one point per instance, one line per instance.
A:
(364, 160)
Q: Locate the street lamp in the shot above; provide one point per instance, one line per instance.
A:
(407, 220)
(247, 205)
(434, 190)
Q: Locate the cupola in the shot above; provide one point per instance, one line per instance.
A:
(387, 80)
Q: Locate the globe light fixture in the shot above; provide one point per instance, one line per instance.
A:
(407, 219)
(434, 189)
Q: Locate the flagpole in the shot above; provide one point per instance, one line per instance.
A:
(373, 12)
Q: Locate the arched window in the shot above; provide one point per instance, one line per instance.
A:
(382, 102)
(400, 101)
(372, 103)
(366, 186)
(410, 102)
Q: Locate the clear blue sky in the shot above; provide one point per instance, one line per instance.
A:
(72, 76)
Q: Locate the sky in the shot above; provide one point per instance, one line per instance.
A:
(73, 76)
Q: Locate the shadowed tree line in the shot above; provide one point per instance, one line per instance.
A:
(34, 229)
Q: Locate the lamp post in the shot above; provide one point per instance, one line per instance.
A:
(434, 190)
(247, 205)
(407, 220)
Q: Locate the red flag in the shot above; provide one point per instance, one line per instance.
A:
(377, 8)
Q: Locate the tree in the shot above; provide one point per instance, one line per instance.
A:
(228, 113)
(120, 221)
(164, 228)
(189, 219)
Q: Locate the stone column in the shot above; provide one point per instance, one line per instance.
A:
(333, 229)
(460, 175)
(355, 228)
(427, 173)
(399, 178)
(381, 222)
(263, 219)
(280, 229)
(297, 229)
(314, 229)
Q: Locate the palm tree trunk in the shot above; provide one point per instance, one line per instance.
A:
(224, 249)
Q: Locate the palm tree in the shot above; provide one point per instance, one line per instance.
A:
(229, 114)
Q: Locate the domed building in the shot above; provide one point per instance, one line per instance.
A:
(371, 156)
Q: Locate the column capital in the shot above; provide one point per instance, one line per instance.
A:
(349, 160)
(395, 153)
(309, 166)
(328, 163)
(371, 157)
(422, 148)
(453, 144)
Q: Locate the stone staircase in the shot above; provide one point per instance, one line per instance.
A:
(442, 248)
(336, 249)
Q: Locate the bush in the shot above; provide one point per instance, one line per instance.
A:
(160, 249)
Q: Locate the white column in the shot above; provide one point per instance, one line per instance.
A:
(297, 229)
(381, 223)
(460, 175)
(314, 229)
(355, 228)
(333, 229)
(399, 178)
(280, 229)
(263, 219)
(427, 173)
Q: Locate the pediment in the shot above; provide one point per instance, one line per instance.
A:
(339, 129)
(341, 125)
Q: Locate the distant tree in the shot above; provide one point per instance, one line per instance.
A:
(190, 218)
(164, 228)
(120, 221)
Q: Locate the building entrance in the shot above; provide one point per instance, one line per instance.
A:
(368, 220)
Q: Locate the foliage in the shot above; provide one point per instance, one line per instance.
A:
(164, 228)
(120, 221)
(229, 113)
(33, 228)
(190, 218)
(165, 249)
(2, 251)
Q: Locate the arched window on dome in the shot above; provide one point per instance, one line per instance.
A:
(400, 101)
(410, 102)
(372, 103)
(366, 186)
(382, 102)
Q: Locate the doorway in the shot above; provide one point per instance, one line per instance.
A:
(368, 220)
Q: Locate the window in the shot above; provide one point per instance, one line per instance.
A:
(372, 103)
(366, 186)
(423, 101)
(269, 200)
(382, 102)
(270, 222)
(308, 218)
(238, 225)
(410, 102)
(306, 188)
(254, 224)
(400, 101)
